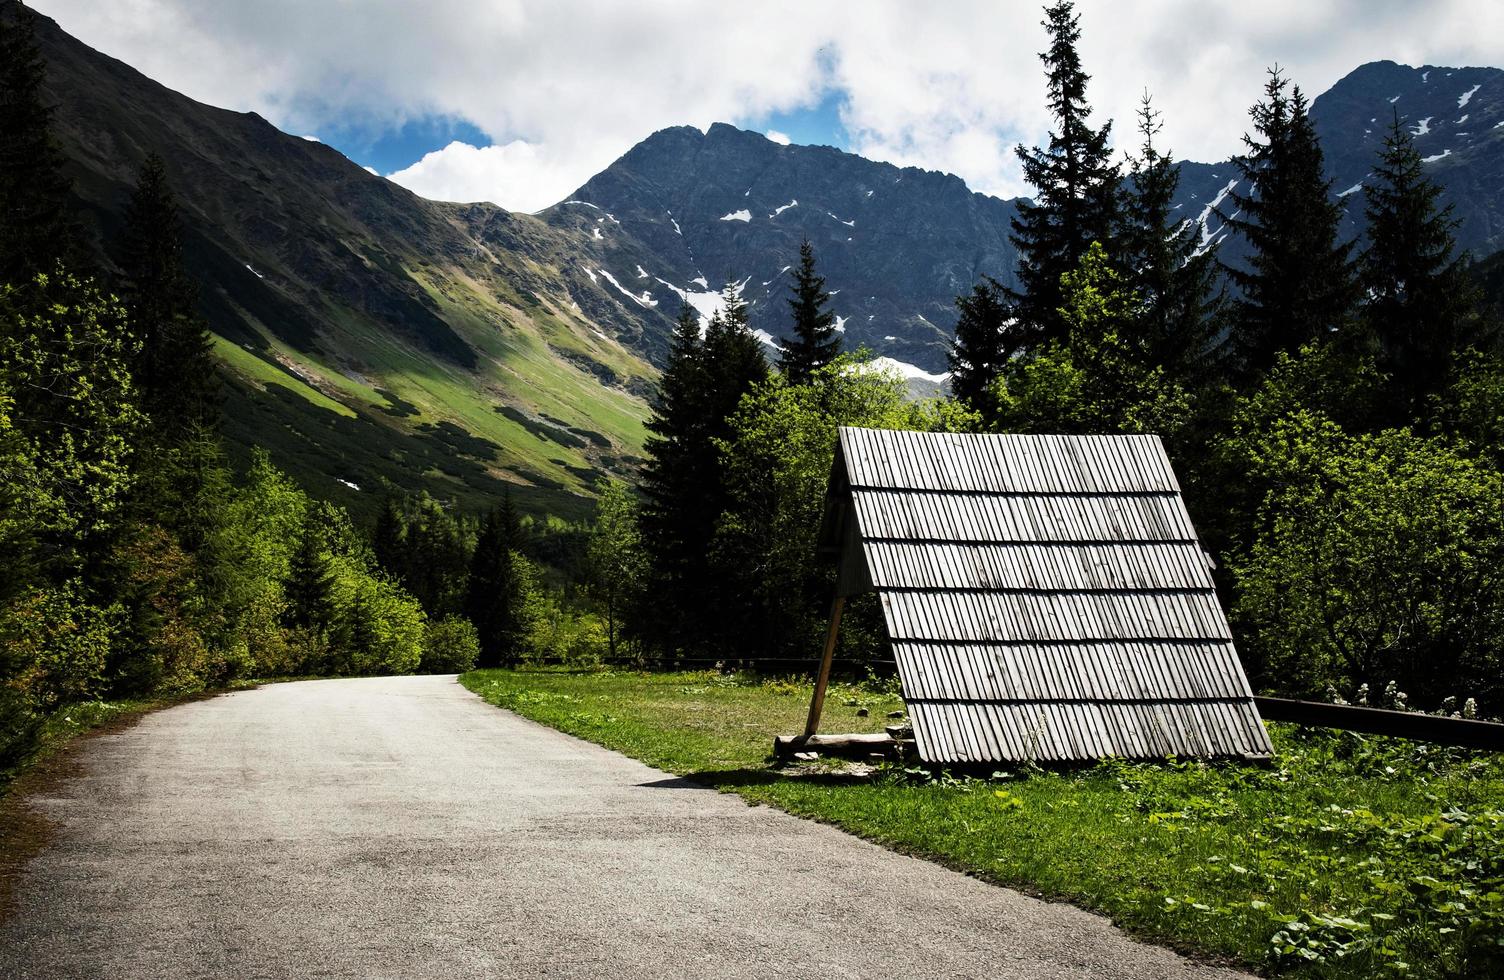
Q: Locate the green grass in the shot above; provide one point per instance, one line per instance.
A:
(1348, 857)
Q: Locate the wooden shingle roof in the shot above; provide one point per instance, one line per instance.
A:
(1045, 596)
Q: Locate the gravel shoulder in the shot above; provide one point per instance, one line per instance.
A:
(401, 827)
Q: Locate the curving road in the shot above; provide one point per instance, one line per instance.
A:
(401, 827)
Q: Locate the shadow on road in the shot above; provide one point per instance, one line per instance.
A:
(731, 778)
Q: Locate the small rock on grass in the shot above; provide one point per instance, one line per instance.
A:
(861, 712)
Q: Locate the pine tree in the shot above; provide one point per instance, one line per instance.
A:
(386, 538)
(494, 598)
(815, 343)
(1076, 188)
(683, 487)
(981, 348)
(1169, 271)
(309, 586)
(1299, 285)
(36, 230)
(1421, 307)
(175, 369)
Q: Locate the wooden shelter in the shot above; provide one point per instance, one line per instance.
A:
(1045, 596)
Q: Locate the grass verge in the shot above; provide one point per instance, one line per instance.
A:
(1349, 857)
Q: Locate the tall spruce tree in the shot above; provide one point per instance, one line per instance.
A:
(1076, 199)
(981, 348)
(1172, 274)
(495, 598)
(683, 486)
(673, 478)
(1299, 284)
(36, 228)
(1421, 302)
(309, 586)
(814, 343)
(175, 369)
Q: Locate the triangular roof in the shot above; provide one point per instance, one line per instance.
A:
(1046, 596)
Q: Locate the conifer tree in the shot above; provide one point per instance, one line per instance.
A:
(1299, 285)
(814, 343)
(1169, 271)
(1076, 188)
(981, 347)
(175, 368)
(309, 586)
(36, 230)
(683, 488)
(494, 599)
(1421, 303)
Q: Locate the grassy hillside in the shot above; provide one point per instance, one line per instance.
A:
(370, 336)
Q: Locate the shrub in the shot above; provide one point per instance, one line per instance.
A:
(450, 646)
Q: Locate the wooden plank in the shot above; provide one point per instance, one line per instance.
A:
(822, 680)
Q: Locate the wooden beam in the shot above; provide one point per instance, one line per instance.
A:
(858, 745)
(1463, 732)
(822, 679)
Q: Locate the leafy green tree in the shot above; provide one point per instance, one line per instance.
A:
(1378, 560)
(380, 628)
(450, 646)
(36, 230)
(982, 347)
(1076, 188)
(496, 592)
(64, 352)
(1100, 379)
(1174, 277)
(774, 590)
(815, 342)
(615, 557)
(1421, 308)
(1299, 284)
(174, 367)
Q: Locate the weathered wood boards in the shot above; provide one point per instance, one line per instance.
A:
(1046, 596)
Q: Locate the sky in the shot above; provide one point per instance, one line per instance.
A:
(519, 102)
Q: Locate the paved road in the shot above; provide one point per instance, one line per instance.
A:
(400, 827)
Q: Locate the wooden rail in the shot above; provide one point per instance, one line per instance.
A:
(1464, 732)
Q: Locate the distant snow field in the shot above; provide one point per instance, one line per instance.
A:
(742, 215)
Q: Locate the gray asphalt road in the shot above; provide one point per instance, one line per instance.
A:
(400, 827)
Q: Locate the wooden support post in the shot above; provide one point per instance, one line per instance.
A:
(817, 703)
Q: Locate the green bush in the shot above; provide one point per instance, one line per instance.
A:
(450, 646)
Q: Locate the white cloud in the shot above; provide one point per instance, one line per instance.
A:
(563, 87)
(499, 174)
(782, 139)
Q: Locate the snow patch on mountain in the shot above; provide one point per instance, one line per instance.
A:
(849, 224)
(742, 215)
(1352, 190)
(1423, 127)
(1206, 212)
(783, 207)
(645, 300)
(1462, 99)
(701, 281)
(674, 223)
(596, 234)
(642, 273)
(1436, 156)
(840, 324)
(905, 370)
(1462, 119)
(586, 203)
(767, 338)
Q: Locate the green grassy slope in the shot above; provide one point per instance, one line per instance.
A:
(369, 336)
